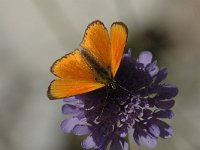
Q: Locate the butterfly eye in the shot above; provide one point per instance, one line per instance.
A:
(112, 86)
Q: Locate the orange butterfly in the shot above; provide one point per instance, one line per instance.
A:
(93, 65)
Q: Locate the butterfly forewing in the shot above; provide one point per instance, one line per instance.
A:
(96, 41)
(75, 77)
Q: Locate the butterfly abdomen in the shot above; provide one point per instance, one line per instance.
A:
(103, 74)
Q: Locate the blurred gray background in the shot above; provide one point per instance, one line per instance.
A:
(34, 33)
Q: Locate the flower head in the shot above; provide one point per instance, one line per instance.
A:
(138, 101)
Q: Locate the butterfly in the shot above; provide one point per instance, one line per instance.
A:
(93, 65)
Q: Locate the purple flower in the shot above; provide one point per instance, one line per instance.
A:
(139, 102)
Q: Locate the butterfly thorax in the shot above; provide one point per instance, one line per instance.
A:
(102, 74)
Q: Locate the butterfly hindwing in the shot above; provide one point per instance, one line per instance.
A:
(118, 38)
(107, 50)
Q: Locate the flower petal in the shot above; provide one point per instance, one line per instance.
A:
(162, 74)
(68, 124)
(167, 91)
(70, 99)
(145, 58)
(165, 130)
(141, 137)
(70, 109)
(136, 137)
(123, 130)
(166, 133)
(147, 113)
(81, 130)
(164, 114)
(88, 143)
(116, 145)
(154, 130)
(148, 141)
(152, 68)
(125, 145)
(164, 104)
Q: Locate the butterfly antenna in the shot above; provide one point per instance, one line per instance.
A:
(104, 103)
(123, 88)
